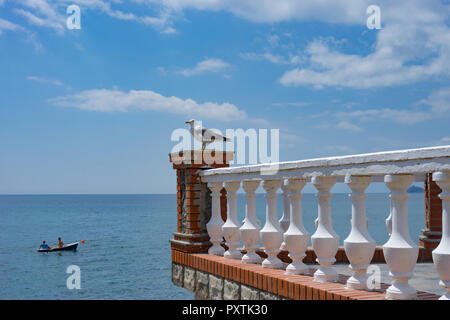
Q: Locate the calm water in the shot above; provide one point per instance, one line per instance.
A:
(127, 252)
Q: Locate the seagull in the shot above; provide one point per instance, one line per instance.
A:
(205, 135)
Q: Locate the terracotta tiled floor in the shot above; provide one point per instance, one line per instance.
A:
(301, 287)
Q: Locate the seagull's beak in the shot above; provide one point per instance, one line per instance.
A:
(187, 122)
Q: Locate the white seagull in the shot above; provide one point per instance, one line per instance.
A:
(205, 135)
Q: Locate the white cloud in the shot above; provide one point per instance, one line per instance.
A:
(6, 25)
(335, 11)
(104, 100)
(52, 14)
(340, 125)
(438, 100)
(206, 66)
(402, 116)
(346, 119)
(274, 58)
(44, 14)
(345, 125)
(45, 80)
(273, 40)
(413, 45)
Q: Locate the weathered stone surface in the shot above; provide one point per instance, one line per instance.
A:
(231, 290)
(215, 288)
(268, 296)
(177, 274)
(202, 290)
(249, 293)
(189, 279)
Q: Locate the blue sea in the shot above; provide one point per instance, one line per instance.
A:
(126, 254)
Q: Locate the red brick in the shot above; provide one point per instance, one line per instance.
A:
(291, 290)
(316, 295)
(260, 281)
(309, 293)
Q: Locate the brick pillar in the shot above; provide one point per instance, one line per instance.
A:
(193, 197)
(433, 217)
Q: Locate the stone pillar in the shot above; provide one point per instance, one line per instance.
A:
(400, 251)
(230, 229)
(432, 232)
(214, 226)
(296, 237)
(271, 235)
(359, 245)
(441, 255)
(194, 197)
(250, 229)
(325, 241)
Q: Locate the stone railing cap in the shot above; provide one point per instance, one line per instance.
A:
(349, 160)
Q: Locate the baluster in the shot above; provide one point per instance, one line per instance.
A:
(441, 255)
(359, 245)
(400, 251)
(230, 228)
(271, 234)
(388, 222)
(284, 221)
(250, 228)
(214, 225)
(325, 241)
(296, 237)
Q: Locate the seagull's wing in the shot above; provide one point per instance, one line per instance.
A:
(211, 136)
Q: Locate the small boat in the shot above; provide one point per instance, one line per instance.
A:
(67, 247)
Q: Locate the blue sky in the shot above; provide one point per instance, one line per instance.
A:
(92, 110)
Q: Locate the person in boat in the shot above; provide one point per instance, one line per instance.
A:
(44, 246)
(60, 243)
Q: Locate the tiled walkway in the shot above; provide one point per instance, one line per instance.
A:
(425, 276)
(300, 287)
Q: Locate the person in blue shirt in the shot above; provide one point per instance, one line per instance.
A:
(44, 246)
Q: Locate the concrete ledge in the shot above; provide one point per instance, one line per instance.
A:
(411, 161)
(245, 281)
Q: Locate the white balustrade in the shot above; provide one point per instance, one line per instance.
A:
(400, 251)
(397, 169)
(325, 241)
(250, 228)
(230, 228)
(296, 237)
(359, 245)
(271, 234)
(214, 226)
(388, 222)
(284, 221)
(441, 255)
